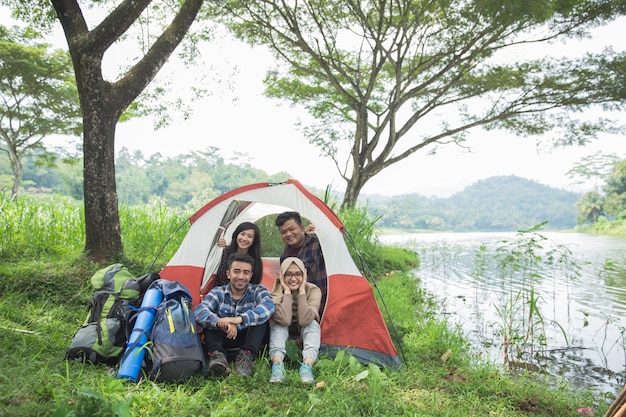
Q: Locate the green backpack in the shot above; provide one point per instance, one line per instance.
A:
(103, 336)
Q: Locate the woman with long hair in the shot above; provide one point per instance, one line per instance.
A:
(246, 238)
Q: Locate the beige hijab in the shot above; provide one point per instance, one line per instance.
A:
(284, 266)
(287, 263)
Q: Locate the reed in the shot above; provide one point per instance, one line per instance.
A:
(522, 263)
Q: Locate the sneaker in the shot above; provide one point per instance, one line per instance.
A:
(306, 373)
(243, 364)
(218, 364)
(278, 372)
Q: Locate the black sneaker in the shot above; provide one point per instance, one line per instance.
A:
(218, 364)
(244, 362)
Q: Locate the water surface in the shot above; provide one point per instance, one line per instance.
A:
(582, 299)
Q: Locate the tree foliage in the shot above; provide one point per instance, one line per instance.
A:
(615, 190)
(608, 200)
(186, 181)
(590, 207)
(38, 95)
(387, 78)
(596, 168)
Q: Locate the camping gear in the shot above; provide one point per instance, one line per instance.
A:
(102, 337)
(175, 352)
(351, 320)
(130, 365)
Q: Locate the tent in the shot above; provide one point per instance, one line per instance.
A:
(351, 321)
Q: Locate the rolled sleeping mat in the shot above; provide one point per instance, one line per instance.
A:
(130, 364)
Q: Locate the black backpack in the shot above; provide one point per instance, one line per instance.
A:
(175, 352)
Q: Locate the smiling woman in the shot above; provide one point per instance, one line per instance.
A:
(246, 239)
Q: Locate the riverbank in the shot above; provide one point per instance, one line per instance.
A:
(43, 303)
(605, 227)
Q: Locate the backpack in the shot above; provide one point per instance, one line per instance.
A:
(103, 335)
(175, 352)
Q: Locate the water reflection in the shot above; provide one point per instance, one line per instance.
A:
(581, 297)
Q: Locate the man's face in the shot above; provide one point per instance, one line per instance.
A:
(292, 233)
(239, 274)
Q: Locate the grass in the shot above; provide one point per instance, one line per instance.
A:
(36, 327)
(43, 301)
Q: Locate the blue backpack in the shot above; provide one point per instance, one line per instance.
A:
(175, 352)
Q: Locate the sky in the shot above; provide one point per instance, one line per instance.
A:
(237, 118)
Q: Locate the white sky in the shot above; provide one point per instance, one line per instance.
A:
(241, 119)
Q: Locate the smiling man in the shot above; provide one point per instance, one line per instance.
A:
(235, 317)
(304, 246)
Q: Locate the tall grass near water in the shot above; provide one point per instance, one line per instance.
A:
(522, 263)
(152, 232)
(34, 228)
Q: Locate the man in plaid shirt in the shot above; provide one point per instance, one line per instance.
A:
(235, 316)
(303, 245)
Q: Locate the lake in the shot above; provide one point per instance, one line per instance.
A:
(575, 283)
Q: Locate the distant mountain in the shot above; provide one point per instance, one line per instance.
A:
(503, 203)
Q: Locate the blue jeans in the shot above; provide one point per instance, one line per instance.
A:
(310, 340)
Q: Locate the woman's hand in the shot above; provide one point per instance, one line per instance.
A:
(283, 284)
(302, 288)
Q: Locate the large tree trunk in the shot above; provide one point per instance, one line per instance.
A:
(361, 155)
(351, 195)
(353, 188)
(102, 225)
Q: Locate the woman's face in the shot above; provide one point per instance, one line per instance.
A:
(293, 277)
(245, 239)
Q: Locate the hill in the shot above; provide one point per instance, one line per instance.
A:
(503, 203)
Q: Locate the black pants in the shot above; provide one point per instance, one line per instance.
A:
(250, 339)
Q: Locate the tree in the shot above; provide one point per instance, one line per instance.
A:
(387, 78)
(596, 168)
(590, 207)
(616, 191)
(39, 97)
(103, 102)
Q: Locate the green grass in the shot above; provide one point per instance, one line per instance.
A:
(43, 301)
(36, 327)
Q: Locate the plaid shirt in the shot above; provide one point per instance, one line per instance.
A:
(311, 255)
(255, 307)
(220, 276)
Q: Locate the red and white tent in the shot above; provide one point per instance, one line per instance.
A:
(351, 320)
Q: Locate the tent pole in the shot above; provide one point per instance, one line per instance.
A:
(186, 221)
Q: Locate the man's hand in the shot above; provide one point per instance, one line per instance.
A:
(231, 332)
(229, 325)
